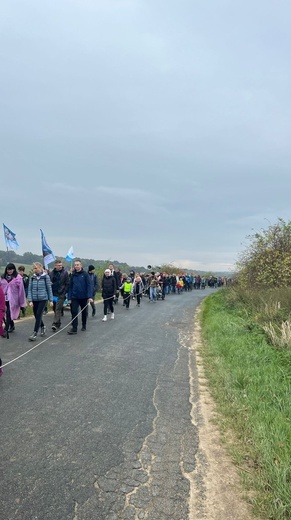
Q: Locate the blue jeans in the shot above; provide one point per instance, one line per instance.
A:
(153, 293)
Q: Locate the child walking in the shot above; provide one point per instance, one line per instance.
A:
(126, 288)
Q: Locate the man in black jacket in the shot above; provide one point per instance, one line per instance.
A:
(108, 293)
(60, 284)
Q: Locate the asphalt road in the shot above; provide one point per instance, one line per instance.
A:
(97, 426)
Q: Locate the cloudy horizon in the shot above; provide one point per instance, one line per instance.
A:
(145, 131)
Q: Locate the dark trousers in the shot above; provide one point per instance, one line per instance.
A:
(126, 299)
(38, 308)
(108, 304)
(138, 298)
(75, 304)
(9, 321)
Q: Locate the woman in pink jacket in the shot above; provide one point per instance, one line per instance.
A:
(2, 316)
(13, 288)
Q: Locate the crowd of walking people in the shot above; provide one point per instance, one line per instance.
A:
(77, 289)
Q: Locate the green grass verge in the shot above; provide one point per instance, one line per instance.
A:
(251, 383)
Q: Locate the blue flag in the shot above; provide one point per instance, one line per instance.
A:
(47, 252)
(10, 238)
(70, 255)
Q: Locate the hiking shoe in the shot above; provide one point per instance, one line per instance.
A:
(32, 337)
(42, 330)
(72, 331)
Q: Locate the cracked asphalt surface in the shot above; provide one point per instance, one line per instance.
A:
(98, 425)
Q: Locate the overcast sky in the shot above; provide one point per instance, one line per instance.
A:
(145, 131)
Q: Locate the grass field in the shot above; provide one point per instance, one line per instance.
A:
(251, 383)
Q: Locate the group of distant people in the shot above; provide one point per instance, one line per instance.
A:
(78, 289)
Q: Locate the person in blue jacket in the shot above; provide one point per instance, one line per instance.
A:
(39, 292)
(80, 293)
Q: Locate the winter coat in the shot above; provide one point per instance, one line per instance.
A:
(94, 282)
(137, 287)
(153, 282)
(2, 310)
(40, 288)
(60, 282)
(108, 287)
(80, 287)
(15, 294)
(117, 275)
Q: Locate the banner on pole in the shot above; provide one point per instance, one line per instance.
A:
(70, 255)
(47, 253)
(10, 238)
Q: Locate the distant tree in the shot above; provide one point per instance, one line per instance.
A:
(267, 261)
(169, 269)
(29, 258)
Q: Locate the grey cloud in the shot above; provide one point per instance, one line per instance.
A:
(142, 116)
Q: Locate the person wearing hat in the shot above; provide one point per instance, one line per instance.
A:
(108, 293)
(127, 291)
(94, 282)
